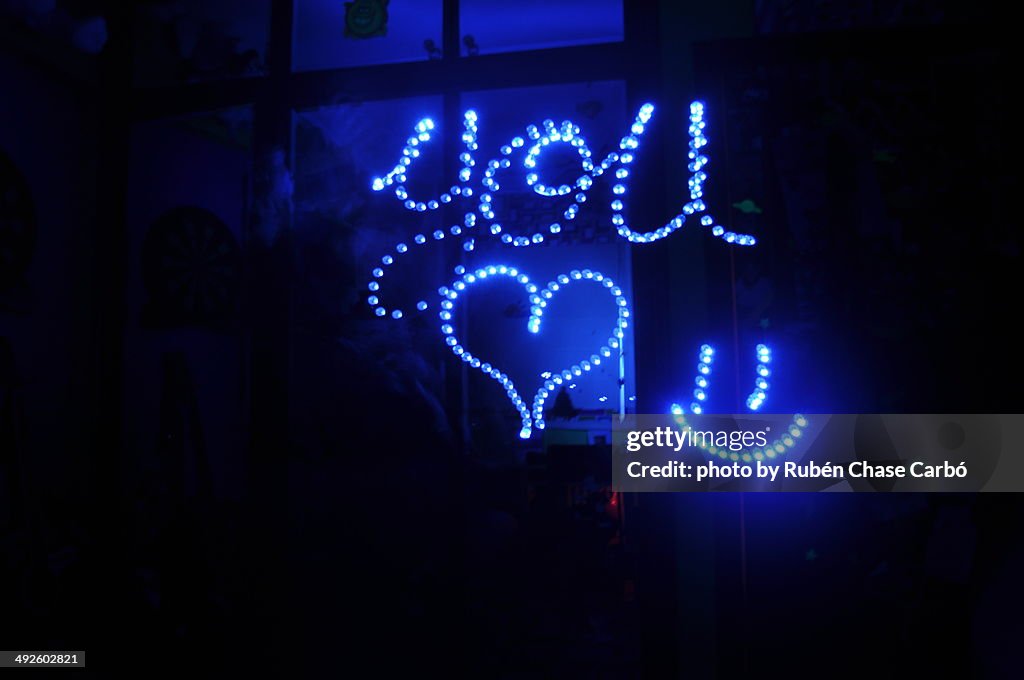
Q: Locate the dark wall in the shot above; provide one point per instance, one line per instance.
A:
(47, 355)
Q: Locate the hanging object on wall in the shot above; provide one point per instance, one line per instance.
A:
(17, 225)
(366, 18)
(190, 268)
(475, 190)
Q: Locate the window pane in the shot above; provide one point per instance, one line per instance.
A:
(338, 149)
(199, 40)
(345, 358)
(490, 26)
(334, 34)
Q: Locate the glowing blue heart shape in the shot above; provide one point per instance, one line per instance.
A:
(533, 415)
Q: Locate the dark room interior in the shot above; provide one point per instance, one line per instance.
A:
(233, 440)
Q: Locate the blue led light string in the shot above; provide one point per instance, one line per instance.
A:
(539, 298)
(697, 161)
(399, 175)
(567, 133)
(702, 381)
(705, 359)
(761, 385)
(614, 345)
(570, 134)
(756, 399)
(536, 141)
(775, 448)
